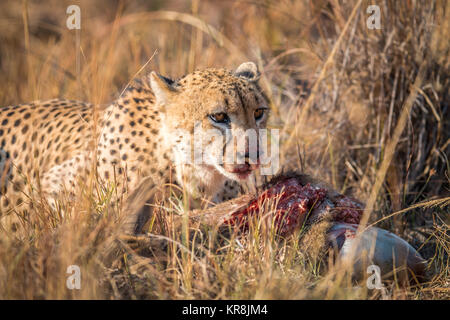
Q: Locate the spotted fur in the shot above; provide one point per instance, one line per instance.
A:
(53, 146)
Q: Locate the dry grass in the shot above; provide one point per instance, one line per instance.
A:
(365, 110)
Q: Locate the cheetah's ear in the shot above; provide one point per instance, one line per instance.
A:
(162, 88)
(248, 71)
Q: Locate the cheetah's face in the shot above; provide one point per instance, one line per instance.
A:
(222, 113)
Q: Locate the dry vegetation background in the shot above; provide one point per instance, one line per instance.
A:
(365, 110)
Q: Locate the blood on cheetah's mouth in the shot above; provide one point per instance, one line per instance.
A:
(242, 171)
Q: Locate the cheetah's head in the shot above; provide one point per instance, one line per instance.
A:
(214, 118)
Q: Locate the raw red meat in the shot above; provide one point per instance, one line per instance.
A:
(292, 203)
(347, 210)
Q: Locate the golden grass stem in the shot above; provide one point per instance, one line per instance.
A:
(322, 75)
(391, 146)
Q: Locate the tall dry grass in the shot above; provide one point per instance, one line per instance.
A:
(365, 110)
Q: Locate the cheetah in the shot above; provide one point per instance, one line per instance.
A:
(147, 132)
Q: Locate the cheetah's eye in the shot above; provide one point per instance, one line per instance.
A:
(259, 113)
(220, 117)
